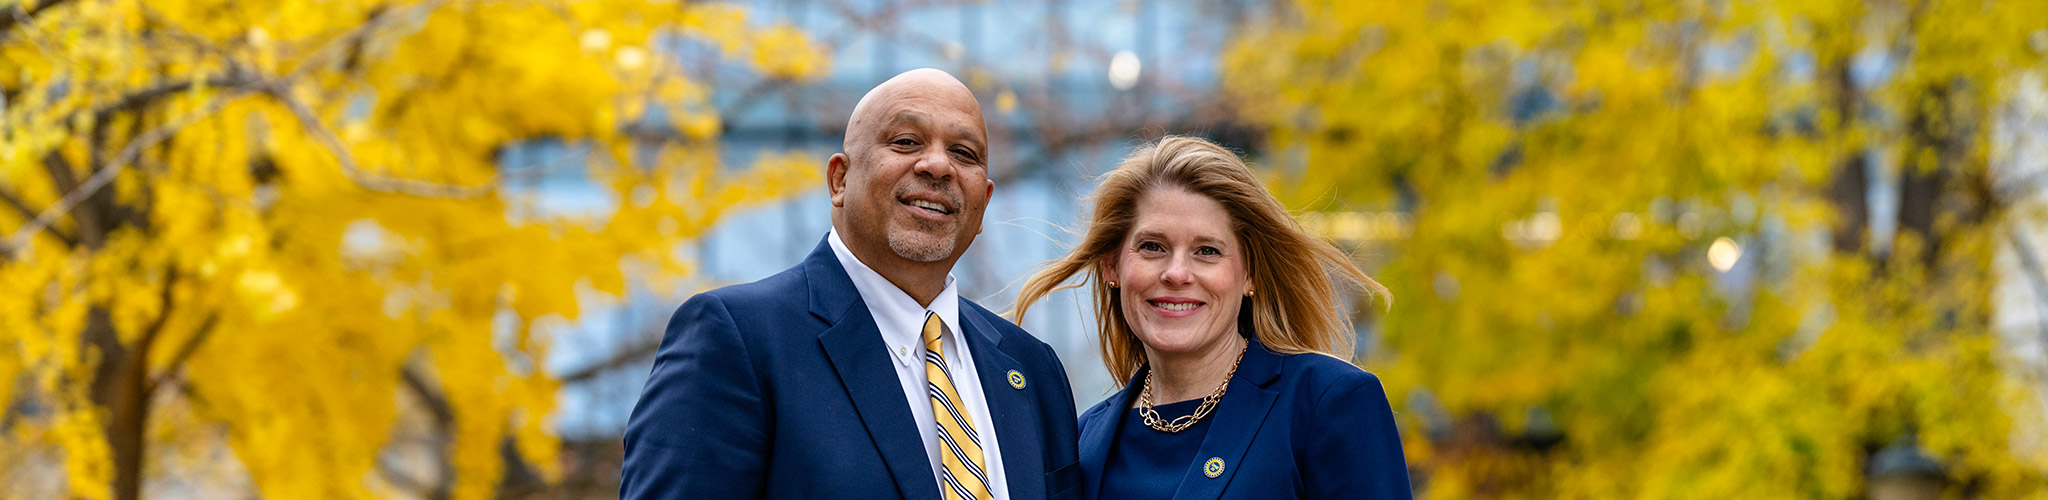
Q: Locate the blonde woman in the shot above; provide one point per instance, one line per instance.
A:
(1222, 314)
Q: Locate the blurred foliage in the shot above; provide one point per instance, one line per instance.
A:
(288, 225)
(1564, 166)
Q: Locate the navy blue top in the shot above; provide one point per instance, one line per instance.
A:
(1291, 426)
(1147, 463)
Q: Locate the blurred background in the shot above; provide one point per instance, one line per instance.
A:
(425, 249)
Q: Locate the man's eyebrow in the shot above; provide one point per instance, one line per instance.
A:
(905, 118)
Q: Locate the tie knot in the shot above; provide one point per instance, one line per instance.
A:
(932, 327)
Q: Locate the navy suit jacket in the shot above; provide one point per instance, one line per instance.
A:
(1289, 426)
(783, 388)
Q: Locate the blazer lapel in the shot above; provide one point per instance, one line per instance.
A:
(854, 346)
(1098, 435)
(1015, 418)
(1239, 416)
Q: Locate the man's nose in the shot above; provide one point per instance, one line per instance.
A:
(935, 163)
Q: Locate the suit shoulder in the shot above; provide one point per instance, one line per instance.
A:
(1324, 385)
(1002, 324)
(995, 320)
(1318, 372)
(783, 291)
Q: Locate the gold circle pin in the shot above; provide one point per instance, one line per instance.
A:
(1214, 467)
(1016, 380)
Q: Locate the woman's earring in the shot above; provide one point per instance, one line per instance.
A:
(1248, 292)
(1112, 284)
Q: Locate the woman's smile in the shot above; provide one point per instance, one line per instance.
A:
(1175, 307)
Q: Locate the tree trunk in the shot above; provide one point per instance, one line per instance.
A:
(1849, 187)
(120, 386)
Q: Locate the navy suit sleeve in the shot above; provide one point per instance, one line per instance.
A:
(1063, 448)
(1066, 387)
(1354, 449)
(699, 430)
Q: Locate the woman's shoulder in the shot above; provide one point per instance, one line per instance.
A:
(1326, 390)
(1097, 410)
(1318, 373)
(1105, 410)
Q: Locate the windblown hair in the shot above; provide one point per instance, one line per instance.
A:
(1295, 308)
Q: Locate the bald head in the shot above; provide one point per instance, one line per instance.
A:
(909, 189)
(925, 86)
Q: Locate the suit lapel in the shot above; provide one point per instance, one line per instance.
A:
(854, 346)
(1015, 418)
(1239, 416)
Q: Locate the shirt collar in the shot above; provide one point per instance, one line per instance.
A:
(896, 314)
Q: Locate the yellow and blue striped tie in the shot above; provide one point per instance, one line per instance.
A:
(963, 477)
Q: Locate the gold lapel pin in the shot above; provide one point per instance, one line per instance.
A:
(1214, 467)
(1017, 380)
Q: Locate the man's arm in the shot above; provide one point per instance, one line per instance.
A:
(700, 430)
(1063, 449)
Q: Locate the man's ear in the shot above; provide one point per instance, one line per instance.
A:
(990, 196)
(835, 178)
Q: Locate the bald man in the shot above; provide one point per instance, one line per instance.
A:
(861, 372)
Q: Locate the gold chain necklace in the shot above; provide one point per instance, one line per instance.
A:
(1182, 422)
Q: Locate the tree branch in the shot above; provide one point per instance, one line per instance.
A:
(444, 418)
(136, 101)
(29, 213)
(177, 362)
(61, 176)
(354, 37)
(436, 404)
(2037, 275)
(621, 357)
(19, 16)
(240, 85)
(165, 303)
(74, 195)
(311, 123)
(106, 175)
(393, 474)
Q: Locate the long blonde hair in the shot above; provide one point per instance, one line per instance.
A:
(1295, 309)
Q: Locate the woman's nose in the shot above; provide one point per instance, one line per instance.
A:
(1177, 272)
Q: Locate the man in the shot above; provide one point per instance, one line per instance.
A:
(861, 373)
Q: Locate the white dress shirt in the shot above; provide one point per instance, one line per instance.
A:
(902, 323)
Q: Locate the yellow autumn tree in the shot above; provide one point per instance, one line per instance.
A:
(277, 227)
(1633, 242)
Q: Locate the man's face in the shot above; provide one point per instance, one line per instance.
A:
(914, 177)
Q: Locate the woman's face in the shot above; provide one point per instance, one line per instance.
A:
(1181, 273)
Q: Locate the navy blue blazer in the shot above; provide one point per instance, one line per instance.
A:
(783, 388)
(1289, 426)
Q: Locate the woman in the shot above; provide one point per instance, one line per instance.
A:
(1222, 314)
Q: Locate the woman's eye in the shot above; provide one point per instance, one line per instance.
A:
(1151, 247)
(1208, 251)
